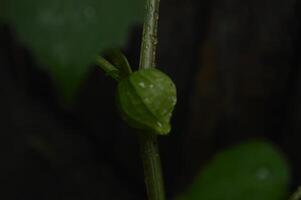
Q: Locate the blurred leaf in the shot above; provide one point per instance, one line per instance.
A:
(66, 35)
(250, 171)
(296, 195)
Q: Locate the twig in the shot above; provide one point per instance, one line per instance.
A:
(148, 142)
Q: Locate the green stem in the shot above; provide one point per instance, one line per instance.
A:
(152, 166)
(149, 37)
(110, 69)
(148, 143)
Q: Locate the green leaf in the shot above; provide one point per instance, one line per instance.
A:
(296, 195)
(251, 171)
(66, 35)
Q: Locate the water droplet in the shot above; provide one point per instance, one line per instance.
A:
(262, 173)
(142, 84)
(154, 39)
(173, 100)
(147, 45)
(159, 124)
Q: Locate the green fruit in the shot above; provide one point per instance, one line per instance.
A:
(146, 99)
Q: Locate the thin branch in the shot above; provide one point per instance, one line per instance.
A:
(148, 142)
(109, 69)
(149, 37)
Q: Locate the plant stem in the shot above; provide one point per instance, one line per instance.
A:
(152, 166)
(149, 37)
(148, 142)
(110, 69)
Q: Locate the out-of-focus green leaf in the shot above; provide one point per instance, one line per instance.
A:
(66, 35)
(250, 171)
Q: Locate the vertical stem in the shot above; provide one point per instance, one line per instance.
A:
(148, 142)
(152, 167)
(149, 37)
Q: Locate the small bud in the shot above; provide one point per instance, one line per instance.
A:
(146, 99)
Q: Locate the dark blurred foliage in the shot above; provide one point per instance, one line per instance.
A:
(236, 65)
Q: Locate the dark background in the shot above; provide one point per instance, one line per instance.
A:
(237, 69)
